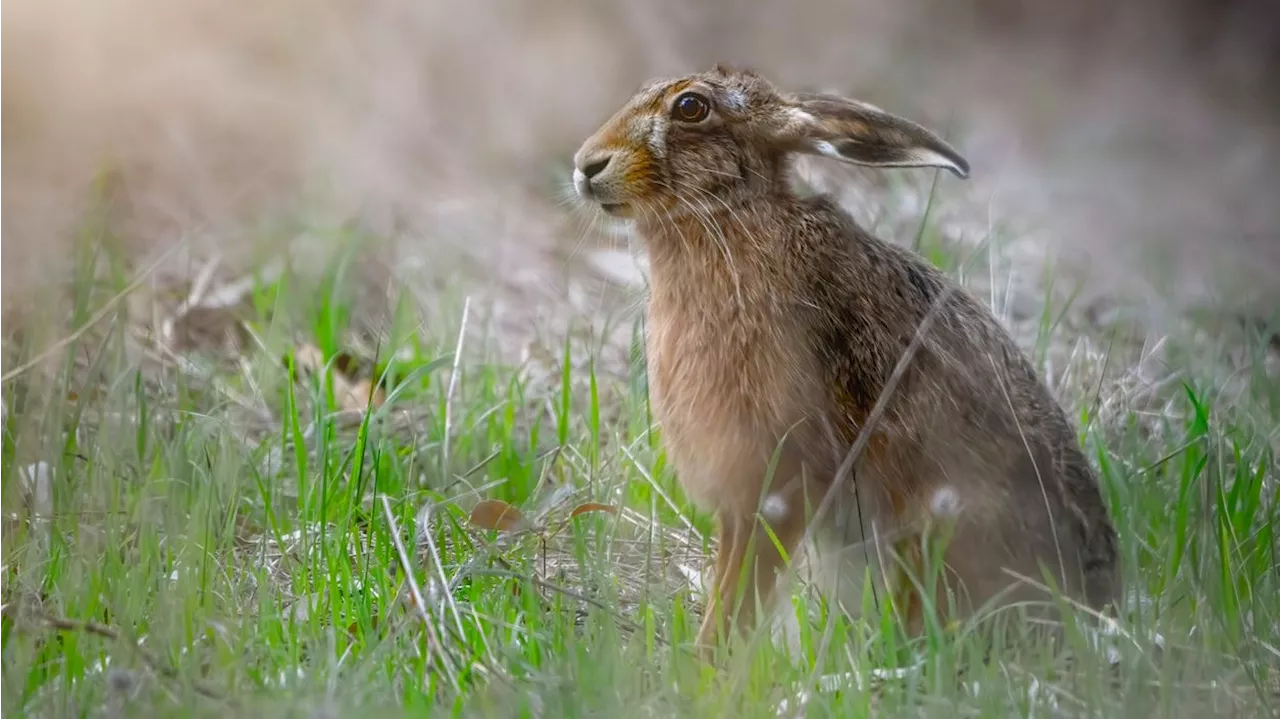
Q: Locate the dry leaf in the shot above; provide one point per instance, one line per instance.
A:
(592, 507)
(351, 394)
(357, 396)
(308, 357)
(497, 514)
(353, 629)
(346, 363)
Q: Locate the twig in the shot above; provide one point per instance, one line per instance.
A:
(198, 287)
(105, 632)
(859, 445)
(453, 385)
(433, 639)
(1031, 455)
(878, 410)
(444, 581)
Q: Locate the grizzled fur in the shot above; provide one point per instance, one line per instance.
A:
(774, 323)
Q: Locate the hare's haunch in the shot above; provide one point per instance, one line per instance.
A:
(774, 325)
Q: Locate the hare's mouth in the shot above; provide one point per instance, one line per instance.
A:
(614, 208)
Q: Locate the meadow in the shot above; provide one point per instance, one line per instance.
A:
(283, 494)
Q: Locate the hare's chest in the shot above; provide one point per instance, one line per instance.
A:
(725, 395)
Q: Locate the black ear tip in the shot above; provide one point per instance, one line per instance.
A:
(959, 167)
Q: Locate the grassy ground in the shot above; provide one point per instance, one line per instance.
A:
(201, 532)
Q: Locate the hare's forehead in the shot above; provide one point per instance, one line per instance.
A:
(654, 96)
(658, 92)
(642, 110)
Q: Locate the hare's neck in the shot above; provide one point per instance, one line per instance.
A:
(712, 259)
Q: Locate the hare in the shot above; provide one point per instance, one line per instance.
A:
(775, 325)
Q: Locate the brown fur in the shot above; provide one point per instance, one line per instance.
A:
(774, 324)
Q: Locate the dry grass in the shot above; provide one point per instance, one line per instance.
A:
(197, 496)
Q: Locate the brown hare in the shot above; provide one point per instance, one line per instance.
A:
(775, 324)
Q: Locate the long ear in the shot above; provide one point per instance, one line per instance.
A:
(862, 134)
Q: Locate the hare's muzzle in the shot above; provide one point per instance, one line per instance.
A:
(588, 168)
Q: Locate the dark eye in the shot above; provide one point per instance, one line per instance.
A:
(691, 107)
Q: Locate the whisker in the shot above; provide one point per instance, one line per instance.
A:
(706, 219)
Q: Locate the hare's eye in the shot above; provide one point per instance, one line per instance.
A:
(691, 107)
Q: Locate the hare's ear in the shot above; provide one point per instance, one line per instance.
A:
(862, 134)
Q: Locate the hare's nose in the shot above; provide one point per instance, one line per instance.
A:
(595, 166)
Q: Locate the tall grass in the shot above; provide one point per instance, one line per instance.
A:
(230, 542)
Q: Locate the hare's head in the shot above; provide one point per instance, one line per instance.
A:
(695, 142)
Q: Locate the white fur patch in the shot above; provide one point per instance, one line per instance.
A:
(736, 99)
(917, 157)
(826, 148)
(936, 159)
(774, 508)
(945, 502)
(580, 183)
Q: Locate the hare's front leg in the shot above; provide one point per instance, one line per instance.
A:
(728, 570)
(745, 546)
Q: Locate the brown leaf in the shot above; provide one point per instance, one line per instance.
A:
(592, 507)
(351, 394)
(356, 633)
(497, 514)
(308, 357)
(357, 396)
(346, 363)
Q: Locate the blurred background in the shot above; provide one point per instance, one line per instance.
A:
(1137, 143)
